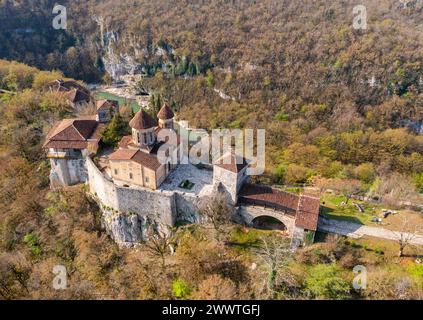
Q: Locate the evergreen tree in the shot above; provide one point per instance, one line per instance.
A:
(115, 130)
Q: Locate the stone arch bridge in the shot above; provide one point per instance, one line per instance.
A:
(299, 214)
(250, 213)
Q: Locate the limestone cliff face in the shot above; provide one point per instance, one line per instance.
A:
(125, 53)
(120, 57)
(126, 230)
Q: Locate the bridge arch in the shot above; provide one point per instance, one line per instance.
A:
(265, 222)
(253, 214)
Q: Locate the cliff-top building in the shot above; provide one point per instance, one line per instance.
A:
(138, 185)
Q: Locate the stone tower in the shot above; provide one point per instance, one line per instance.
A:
(229, 174)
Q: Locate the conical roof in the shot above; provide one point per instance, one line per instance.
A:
(165, 113)
(142, 121)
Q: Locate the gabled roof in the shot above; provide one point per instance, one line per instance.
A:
(77, 95)
(165, 113)
(260, 194)
(231, 162)
(61, 85)
(123, 154)
(305, 208)
(145, 159)
(71, 134)
(308, 212)
(142, 121)
(106, 104)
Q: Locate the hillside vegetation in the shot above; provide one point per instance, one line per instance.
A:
(295, 68)
(41, 228)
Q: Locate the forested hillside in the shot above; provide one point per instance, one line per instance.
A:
(342, 108)
(336, 102)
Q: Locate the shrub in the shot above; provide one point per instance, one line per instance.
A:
(365, 172)
(180, 289)
(32, 240)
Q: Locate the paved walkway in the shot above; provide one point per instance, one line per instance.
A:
(355, 230)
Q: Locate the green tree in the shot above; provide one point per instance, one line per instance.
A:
(115, 130)
(365, 172)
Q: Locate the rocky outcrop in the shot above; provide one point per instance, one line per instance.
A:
(126, 230)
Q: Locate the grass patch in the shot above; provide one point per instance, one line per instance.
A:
(244, 239)
(334, 207)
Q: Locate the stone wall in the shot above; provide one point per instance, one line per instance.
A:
(127, 211)
(186, 207)
(65, 172)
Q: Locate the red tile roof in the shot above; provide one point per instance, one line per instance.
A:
(106, 104)
(71, 134)
(165, 113)
(145, 159)
(306, 208)
(125, 142)
(142, 121)
(265, 195)
(123, 154)
(77, 95)
(308, 212)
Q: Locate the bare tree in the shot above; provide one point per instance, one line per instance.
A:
(161, 243)
(276, 255)
(409, 232)
(217, 211)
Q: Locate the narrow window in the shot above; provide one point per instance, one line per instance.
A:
(116, 171)
(131, 176)
(144, 138)
(146, 179)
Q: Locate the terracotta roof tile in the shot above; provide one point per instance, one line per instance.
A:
(125, 142)
(306, 208)
(123, 154)
(77, 95)
(145, 159)
(106, 104)
(71, 134)
(266, 195)
(142, 121)
(66, 144)
(308, 212)
(165, 113)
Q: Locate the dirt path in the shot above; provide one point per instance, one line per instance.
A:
(355, 230)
